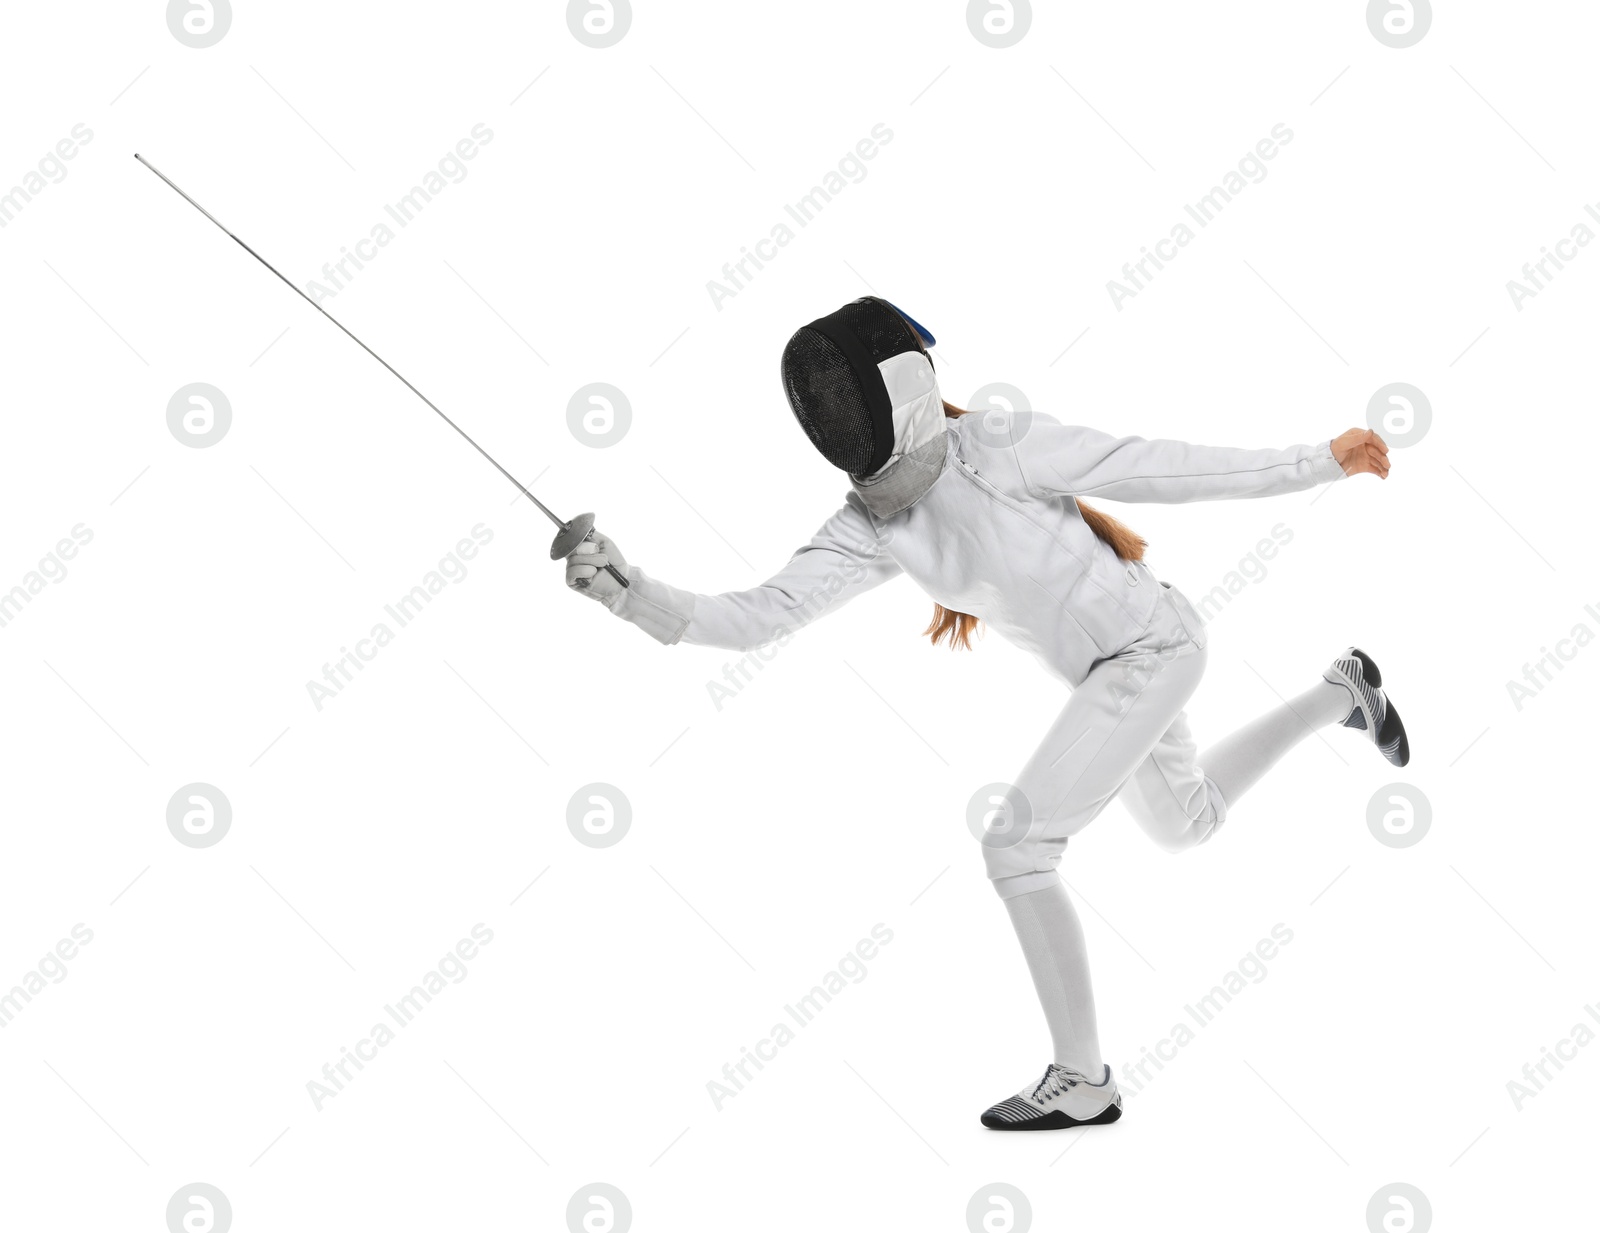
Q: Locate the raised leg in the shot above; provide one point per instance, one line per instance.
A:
(1179, 796)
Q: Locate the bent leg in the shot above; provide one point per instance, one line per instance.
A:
(1171, 798)
(1179, 797)
(1106, 730)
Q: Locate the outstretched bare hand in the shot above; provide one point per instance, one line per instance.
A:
(1360, 450)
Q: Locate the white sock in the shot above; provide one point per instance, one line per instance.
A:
(1239, 760)
(1052, 943)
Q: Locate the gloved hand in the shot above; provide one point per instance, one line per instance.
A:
(587, 573)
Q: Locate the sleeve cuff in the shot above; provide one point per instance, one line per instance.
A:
(1326, 467)
(660, 610)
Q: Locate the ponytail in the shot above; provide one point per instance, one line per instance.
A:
(1114, 535)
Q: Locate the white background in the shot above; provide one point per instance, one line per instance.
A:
(370, 836)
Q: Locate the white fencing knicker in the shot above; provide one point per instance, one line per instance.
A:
(1122, 732)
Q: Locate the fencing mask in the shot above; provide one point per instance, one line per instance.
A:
(862, 386)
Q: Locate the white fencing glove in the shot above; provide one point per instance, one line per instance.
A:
(587, 573)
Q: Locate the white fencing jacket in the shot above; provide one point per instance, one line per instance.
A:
(996, 534)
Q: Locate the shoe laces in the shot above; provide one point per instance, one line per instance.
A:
(1057, 1079)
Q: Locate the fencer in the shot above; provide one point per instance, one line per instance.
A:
(985, 512)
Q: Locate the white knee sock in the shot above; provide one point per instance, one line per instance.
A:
(1052, 942)
(1239, 760)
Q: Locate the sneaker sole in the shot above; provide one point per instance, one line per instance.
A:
(1057, 1120)
(1392, 741)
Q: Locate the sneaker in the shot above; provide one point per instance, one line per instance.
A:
(1062, 1098)
(1373, 712)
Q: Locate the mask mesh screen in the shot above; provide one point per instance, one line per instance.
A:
(825, 394)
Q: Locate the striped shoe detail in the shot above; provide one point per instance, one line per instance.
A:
(1371, 706)
(1372, 711)
(1062, 1098)
(1012, 1110)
